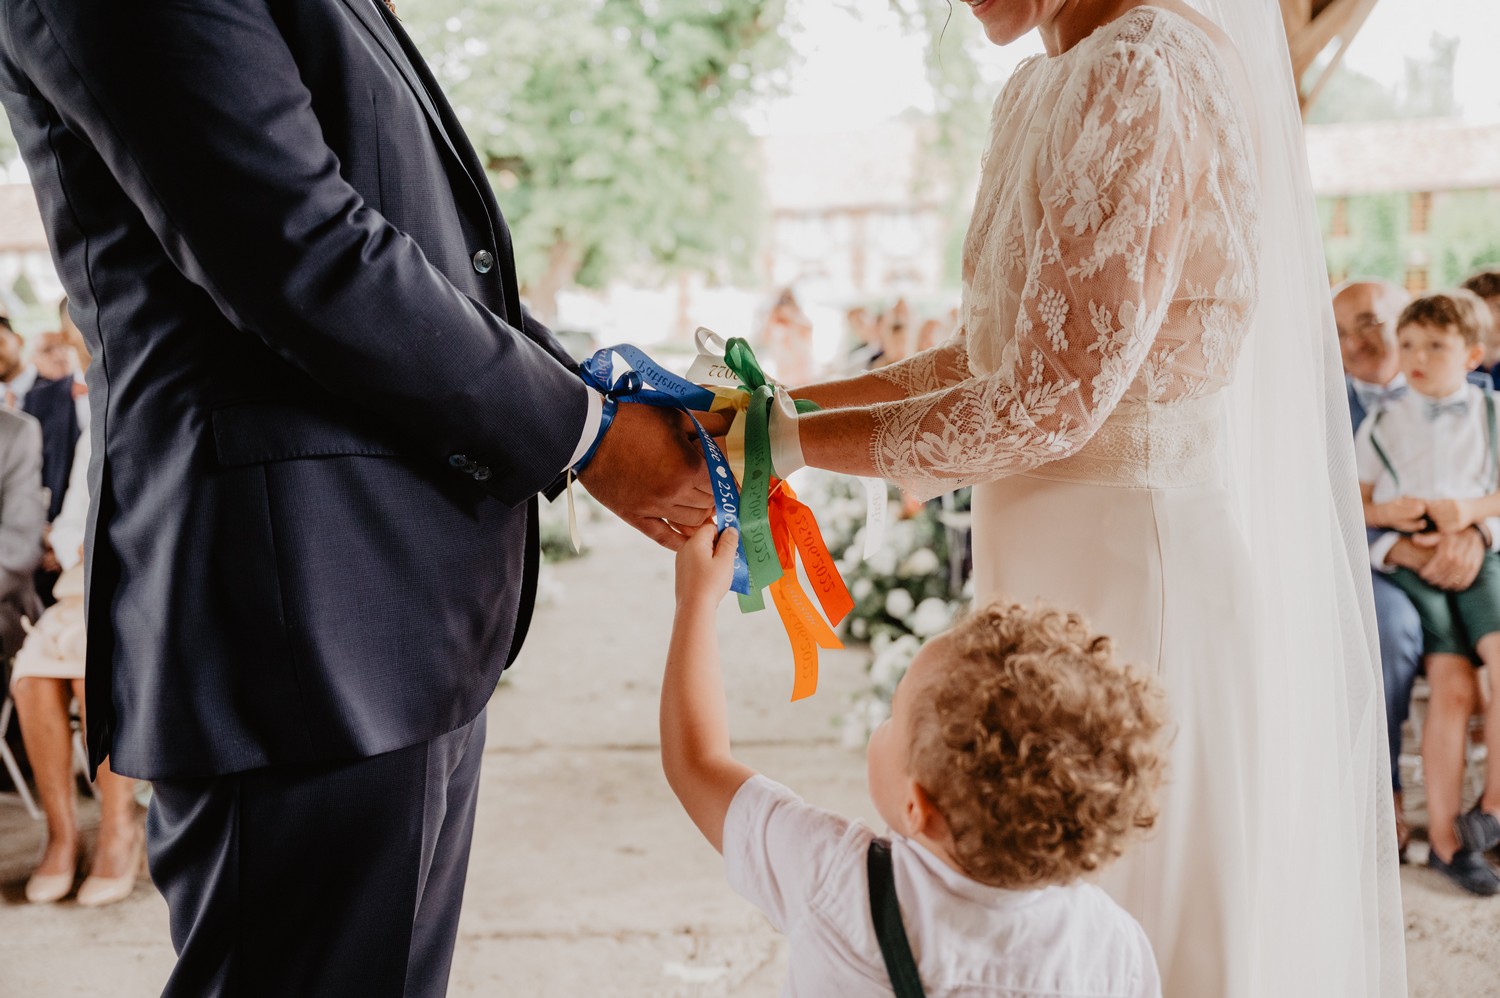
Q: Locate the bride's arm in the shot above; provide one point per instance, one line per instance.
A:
(931, 370)
(1108, 257)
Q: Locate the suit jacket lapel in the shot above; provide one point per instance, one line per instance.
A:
(375, 20)
(379, 21)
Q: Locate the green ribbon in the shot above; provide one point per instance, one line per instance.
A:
(755, 490)
(740, 359)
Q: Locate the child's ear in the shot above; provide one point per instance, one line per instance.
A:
(922, 816)
(1476, 356)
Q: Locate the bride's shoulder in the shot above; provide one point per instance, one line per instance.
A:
(1151, 51)
(1184, 42)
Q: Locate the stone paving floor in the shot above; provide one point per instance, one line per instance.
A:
(586, 879)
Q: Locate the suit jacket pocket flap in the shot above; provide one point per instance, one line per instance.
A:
(256, 432)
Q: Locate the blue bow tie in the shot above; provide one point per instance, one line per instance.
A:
(1458, 407)
(1379, 398)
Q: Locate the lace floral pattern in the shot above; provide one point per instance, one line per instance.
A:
(1111, 258)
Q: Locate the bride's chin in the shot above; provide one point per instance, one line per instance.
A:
(999, 34)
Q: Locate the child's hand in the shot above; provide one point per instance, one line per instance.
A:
(705, 567)
(1404, 514)
(1451, 515)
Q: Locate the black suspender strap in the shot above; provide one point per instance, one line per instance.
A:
(1380, 451)
(889, 930)
(1489, 420)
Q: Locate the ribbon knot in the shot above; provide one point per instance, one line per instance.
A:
(776, 531)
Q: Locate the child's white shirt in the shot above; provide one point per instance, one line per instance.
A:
(805, 868)
(1441, 457)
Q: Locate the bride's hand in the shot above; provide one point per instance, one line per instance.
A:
(705, 566)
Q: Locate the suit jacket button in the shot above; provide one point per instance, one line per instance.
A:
(481, 474)
(459, 460)
(484, 261)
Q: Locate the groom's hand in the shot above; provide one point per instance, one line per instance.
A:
(649, 471)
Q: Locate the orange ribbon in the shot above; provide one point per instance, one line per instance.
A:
(795, 532)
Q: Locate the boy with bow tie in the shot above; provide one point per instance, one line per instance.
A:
(1429, 462)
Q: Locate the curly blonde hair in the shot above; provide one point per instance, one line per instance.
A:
(1042, 753)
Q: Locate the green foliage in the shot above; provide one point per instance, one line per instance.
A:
(611, 128)
(1465, 234)
(963, 99)
(7, 141)
(1374, 245)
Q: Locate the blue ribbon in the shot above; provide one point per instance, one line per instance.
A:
(648, 383)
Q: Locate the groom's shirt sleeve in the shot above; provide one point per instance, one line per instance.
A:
(199, 111)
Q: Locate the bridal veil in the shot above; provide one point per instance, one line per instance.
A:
(1327, 908)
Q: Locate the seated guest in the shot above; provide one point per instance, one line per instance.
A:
(1366, 313)
(48, 677)
(51, 395)
(12, 363)
(1486, 284)
(868, 346)
(1429, 463)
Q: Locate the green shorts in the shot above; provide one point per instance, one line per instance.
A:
(1453, 623)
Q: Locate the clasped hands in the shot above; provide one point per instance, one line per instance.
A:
(1441, 548)
(650, 472)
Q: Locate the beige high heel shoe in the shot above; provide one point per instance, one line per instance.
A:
(97, 891)
(45, 888)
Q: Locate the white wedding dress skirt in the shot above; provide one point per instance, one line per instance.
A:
(1137, 533)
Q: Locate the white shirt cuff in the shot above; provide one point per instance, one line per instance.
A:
(591, 422)
(1491, 525)
(1380, 547)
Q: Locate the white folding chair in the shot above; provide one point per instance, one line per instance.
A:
(7, 711)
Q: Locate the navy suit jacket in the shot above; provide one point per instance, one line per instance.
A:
(321, 413)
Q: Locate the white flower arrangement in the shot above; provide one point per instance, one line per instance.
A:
(903, 594)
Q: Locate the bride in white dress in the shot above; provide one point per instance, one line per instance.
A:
(1140, 394)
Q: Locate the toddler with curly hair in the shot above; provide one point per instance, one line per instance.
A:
(1019, 758)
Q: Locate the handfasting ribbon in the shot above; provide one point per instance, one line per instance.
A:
(647, 383)
(796, 532)
(778, 528)
(775, 528)
(729, 369)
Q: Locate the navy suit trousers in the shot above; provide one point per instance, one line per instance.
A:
(325, 881)
(1400, 660)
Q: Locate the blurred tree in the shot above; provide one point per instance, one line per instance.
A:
(1426, 92)
(612, 129)
(962, 98)
(1373, 245)
(1465, 235)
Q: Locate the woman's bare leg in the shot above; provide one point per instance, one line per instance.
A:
(116, 851)
(42, 712)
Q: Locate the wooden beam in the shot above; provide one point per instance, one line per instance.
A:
(1296, 14)
(1311, 26)
(1340, 19)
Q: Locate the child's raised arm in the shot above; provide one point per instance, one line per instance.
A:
(694, 719)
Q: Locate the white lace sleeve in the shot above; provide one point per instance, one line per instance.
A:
(1104, 259)
(931, 370)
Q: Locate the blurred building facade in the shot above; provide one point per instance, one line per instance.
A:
(1415, 200)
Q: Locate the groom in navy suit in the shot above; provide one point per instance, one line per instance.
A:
(322, 416)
